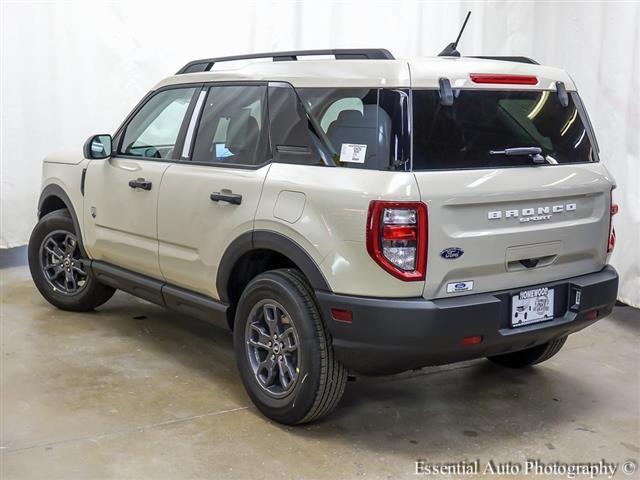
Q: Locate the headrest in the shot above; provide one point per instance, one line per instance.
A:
(349, 117)
(242, 132)
(353, 118)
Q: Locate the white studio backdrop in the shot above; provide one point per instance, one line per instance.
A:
(73, 68)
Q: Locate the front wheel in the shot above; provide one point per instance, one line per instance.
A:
(58, 269)
(530, 356)
(284, 351)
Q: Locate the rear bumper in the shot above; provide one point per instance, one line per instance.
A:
(394, 335)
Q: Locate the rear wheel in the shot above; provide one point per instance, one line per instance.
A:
(283, 350)
(58, 268)
(530, 356)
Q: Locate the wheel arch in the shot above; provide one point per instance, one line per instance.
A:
(255, 252)
(52, 198)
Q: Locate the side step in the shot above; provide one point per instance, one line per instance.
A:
(178, 299)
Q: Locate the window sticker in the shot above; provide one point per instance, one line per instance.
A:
(353, 153)
(222, 151)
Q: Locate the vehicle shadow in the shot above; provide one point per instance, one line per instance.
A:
(130, 332)
(427, 412)
(407, 414)
(627, 317)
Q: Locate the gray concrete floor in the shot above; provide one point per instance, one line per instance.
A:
(133, 391)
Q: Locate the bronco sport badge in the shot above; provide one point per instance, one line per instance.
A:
(532, 214)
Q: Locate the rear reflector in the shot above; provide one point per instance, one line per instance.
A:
(592, 314)
(502, 79)
(613, 210)
(474, 340)
(342, 315)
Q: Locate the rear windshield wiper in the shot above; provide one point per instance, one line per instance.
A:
(532, 152)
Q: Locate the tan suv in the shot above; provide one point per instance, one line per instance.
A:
(359, 213)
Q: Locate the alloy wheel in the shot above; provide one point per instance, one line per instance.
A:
(61, 262)
(273, 348)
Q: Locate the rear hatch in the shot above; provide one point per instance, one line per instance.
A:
(501, 218)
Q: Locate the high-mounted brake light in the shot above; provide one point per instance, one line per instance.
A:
(397, 238)
(611, 243)
(503, 79)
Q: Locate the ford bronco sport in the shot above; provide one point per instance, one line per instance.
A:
(357, 214)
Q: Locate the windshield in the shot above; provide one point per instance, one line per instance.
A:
(484, 128)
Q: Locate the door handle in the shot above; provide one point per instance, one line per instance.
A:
(232, 198)
(140, 183)
(530, 262)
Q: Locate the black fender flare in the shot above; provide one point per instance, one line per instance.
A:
(53, 190)
(267, 240)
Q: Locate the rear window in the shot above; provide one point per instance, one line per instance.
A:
(480, 124)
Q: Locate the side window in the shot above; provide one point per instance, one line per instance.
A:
(153, 131)
(364, 128)
(232, 128)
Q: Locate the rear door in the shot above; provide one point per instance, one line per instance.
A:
(501, 218)
(210, 198)
(121, 192)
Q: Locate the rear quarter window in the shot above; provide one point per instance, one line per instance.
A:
(480, 122)
(362, 128)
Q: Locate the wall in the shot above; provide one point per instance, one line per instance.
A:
(70, 69)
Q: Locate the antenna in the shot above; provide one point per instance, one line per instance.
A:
(451, 49)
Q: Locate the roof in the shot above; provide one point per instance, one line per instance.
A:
(417, 73)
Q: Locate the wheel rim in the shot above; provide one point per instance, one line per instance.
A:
(273, 348)
(61, 262)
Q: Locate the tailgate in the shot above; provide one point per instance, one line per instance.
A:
(514, 227)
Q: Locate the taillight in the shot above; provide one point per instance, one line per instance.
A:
(612, 240)
(612, 231)
(397, 238)
(503, 79)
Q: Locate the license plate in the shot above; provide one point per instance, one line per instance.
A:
(532, 306)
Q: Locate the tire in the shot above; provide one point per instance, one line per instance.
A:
(530, 356)
(320, 379)
(54, 243)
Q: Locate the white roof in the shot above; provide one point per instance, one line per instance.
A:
(417, 73)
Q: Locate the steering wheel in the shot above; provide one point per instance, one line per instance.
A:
(152, 152)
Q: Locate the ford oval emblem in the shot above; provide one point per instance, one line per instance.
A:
(451, 253)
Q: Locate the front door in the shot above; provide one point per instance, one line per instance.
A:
(210, 198)
(121, 193)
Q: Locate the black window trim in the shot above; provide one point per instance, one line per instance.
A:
(118, 137)
(577, 102)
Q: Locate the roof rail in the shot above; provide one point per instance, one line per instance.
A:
(508, 59)
(205, 65)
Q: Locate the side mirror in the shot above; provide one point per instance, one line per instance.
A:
(97, 147)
